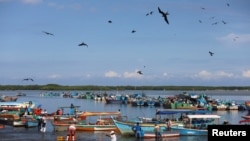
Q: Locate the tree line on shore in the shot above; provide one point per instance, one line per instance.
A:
(128, 87)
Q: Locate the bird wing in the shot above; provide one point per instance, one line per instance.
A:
(160, 11)
(166, 19)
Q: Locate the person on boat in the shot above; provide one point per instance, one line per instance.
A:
(21, 111)
(169, 124)
(137, 129)
(112, 136)
(43, 125)
(157, 132)
(71, 133)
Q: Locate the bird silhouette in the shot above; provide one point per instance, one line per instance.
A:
(48, 33)
(150, 13)
(211, 53)
(133, 31)
(164, 14)
(27, 79)
(228, 4)
(223, 22)
(110, 21)
(139, 72)
(83, 44)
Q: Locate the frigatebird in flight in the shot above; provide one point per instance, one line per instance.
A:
(211, 53)
(110, 21)
(150, 13)
(139, 72)
(164, 14)
(82, 44)
(133, 31)
(48, 33)
(27, 79)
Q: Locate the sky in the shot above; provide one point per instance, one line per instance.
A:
(174, 54)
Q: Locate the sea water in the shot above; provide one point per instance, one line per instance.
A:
(52, 103)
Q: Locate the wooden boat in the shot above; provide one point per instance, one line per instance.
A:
(245, 121)
(247, 104)
(103, 121)
(5, 98)
(165, 134)
(15, 106)
(10, 118)
(125, 127)
(246, 117)
(196, 124)
(29, 121)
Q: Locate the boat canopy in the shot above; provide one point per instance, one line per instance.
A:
(177, 111)
(203, 116)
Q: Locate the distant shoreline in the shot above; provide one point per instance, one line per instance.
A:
(128, 87)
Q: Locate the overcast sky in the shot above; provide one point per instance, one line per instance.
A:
(167, 54)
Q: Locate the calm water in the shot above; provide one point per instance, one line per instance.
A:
(52, 103)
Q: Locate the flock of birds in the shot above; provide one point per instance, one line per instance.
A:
(161, 12)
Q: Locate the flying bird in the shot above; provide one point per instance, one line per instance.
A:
(133, 31)
(110, 21)
(228, 4)
(82, 44)
(223, 22)
(48, 33)
(211, 53)
(139, 72)
(164, 14)
(150, 13)
(27, 79)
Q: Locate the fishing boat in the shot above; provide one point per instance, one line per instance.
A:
(15, 106)
(247, 104)
(29, 121)
(245, 121)
(148, 124)
(97, 121)
(5, 98)
(166, 134)
(196, 124)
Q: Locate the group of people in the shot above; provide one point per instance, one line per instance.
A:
(139, 132)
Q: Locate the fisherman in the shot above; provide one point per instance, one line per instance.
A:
(71, 133)
(72, 109)
(39, 119)
(157, 132)
(137, 129)
(169, 124)
(112, 136)
(43, 125)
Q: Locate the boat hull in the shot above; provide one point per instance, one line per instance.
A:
(125, 128)
(188, 131)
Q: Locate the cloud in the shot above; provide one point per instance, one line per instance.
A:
(131, 74)
(111, 74)
(55, 76)
(237, 38)
(246, 73)
(213, 75)
(31, 1)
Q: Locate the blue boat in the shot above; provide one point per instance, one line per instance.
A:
(125, 127)
(29, 121)
(196, 124)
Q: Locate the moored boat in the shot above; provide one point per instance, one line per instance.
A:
(165, 134)
(5, 98)
(196, 124)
